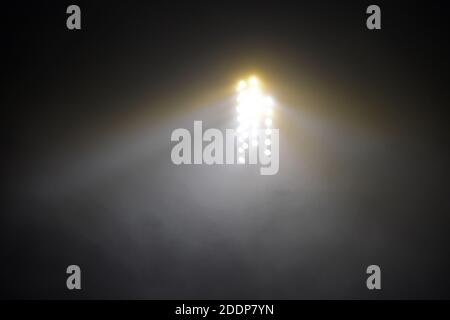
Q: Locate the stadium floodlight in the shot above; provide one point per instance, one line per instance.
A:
(255, 111)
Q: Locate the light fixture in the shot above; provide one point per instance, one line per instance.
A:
(254, 108)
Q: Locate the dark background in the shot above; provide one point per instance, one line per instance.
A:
(87, 177)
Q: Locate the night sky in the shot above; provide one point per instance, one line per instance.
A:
(87, 177)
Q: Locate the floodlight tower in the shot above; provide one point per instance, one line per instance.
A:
(254, 110)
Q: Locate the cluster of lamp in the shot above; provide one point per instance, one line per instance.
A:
(254, 114)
